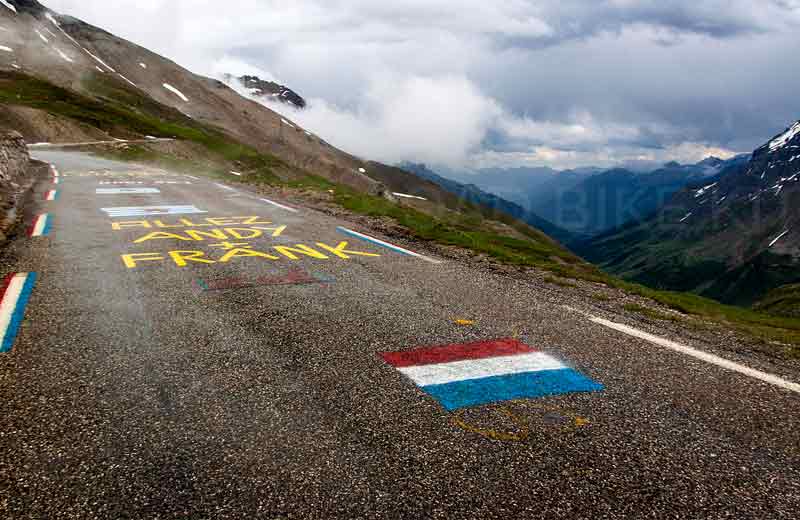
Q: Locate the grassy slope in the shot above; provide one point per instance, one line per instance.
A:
(783, 301)
(119, 108)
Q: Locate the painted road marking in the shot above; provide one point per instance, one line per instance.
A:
(281, 206)
(41, 226)
(699, 354)
(218, 185)
(145, 211)
(472, 374)
(16, 291)
(54, 170)
(387, 245)
(56, 180)
(125, 191)
(51, 195)
(193, 177)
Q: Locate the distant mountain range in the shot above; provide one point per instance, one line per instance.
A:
(590, 201)
(614, 197)
(474, 194)
(732, 237)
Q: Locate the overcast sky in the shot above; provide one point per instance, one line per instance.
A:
(558, 83)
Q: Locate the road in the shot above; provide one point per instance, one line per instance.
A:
(184, 366)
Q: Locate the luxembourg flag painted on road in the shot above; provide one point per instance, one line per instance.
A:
(16, 291)
(472, 374)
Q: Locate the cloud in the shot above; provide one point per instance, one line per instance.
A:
(547, 82)
(402, 118)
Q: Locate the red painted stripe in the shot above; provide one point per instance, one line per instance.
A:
(6, 283)
(450, 353)
(33, 226)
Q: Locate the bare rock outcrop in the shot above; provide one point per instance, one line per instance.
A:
(17, 174)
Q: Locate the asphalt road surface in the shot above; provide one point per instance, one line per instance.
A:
(181, 364)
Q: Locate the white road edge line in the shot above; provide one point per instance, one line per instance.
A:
(281, 206)
(387, 245)
(702, 356)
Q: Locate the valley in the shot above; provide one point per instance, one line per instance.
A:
(210, 311)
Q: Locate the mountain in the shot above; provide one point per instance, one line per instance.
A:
(268, 90)
(733, 237)
(49, 49)
(522, 185)
(65, 81)
(610, 199)
(474, 194)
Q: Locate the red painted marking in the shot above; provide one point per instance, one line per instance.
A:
(450, 353)
(6, 283)
(32, 226)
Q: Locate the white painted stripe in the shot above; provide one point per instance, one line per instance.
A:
(388, 245)
(192, 177)
(9, 302)
(281, 206)
(125, 191)
(38, 228)
(56, 180)
(699, 354)
(236, 173)
(218, 185)
(143, 211)
(438, 374)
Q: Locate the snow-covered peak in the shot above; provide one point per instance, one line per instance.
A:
(783, 139)
(9, 5)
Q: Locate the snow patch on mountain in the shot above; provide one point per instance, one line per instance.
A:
(778, 238)
(64, 56)
(702, 191)
(126, 79)
(52, 18)
(783, 139)
(176, 92)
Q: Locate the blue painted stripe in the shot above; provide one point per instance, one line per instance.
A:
(19, 313)
(47, 225)
(527, 385)
(371, 240)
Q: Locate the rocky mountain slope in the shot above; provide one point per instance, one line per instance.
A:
(76, 56)
(268, 89)
(733, 237)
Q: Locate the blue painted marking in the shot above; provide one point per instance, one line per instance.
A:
(380, 243)
(47, 225)
(19, 313)
(527, 385)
